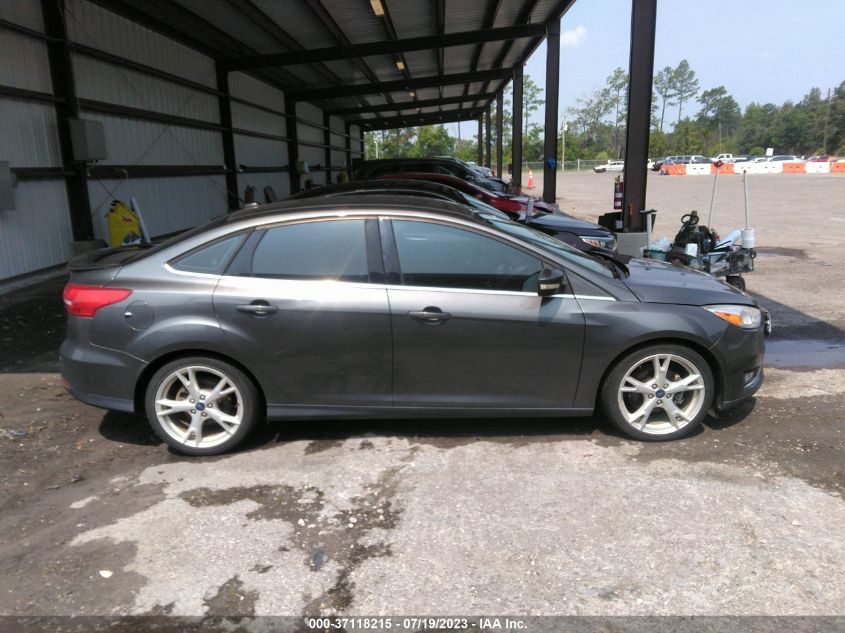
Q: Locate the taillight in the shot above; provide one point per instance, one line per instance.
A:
(84, 301)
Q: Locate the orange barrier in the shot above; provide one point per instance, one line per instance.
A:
(673, 170)
(837, 168)
(794, 168)
(726, 168)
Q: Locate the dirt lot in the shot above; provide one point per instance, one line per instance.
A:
(454, 517)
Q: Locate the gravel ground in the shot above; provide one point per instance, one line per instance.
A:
(453, 517)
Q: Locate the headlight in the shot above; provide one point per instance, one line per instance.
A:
(608, 243)
(746, 317)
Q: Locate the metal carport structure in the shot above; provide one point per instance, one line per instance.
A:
(369, 65)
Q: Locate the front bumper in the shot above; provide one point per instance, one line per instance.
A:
(740, 357)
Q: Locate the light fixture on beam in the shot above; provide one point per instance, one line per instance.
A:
(400, 64)
(378, 8)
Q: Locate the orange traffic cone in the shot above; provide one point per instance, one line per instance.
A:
(530, 179)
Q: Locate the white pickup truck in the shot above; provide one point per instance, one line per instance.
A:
(725, 158)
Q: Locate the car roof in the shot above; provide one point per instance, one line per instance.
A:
(341, 203)
(426, 159)
(377, 183)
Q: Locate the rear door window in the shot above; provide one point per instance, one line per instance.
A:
(322, 250)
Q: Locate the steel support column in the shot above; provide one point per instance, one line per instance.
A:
(550, 133)
(516, 127)
(327, 141)
(347, 130)
(499, 113)
(229, 158)
(293, 143)
(641, 69)
(480, 145)
(61, 71)
(487, 137)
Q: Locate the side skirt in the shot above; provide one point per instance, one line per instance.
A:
(293, 411)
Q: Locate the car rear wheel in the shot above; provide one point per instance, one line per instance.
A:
(661, 392)
(202, 406)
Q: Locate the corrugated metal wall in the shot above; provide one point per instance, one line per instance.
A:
(260, 152)
(179, 202)
(166, 203)
(37, 234)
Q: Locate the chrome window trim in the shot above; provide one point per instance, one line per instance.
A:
(176, 271)
(493, 292)
(356, 284)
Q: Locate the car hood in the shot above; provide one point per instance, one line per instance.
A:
(567, 223)
(660, 282)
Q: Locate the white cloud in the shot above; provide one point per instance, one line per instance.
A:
(573, 37)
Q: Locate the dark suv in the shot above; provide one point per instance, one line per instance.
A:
(371, 169)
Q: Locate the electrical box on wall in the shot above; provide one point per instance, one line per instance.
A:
(7, 184)
(88, 139)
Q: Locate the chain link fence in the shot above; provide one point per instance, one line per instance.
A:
(570, 165)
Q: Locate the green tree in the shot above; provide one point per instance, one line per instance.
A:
(533, 144)
(466, 149)
(684, 85)
(617, 91)
(657, 144)
(532, 98)
(719, 116)
(687, 138)
(836, 121)
(664, 88)
(755, 128)
(434, 140)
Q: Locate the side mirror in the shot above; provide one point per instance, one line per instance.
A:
(551, 281)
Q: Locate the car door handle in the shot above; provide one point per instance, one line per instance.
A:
(430, 315)
(259, 307)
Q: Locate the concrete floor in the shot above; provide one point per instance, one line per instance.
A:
(484, 517)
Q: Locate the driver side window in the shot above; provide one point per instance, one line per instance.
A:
(436, 255)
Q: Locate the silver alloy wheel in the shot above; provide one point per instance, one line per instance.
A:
(198, 406)
(661, 394)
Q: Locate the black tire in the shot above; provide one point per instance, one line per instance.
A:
(213, 415)
(736, 281)
(666, 420)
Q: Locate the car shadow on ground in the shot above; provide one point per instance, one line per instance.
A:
(128, 428)
(791, 323)
(322, 435)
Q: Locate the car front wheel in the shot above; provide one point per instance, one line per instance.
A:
(661, 392)
(202, 406)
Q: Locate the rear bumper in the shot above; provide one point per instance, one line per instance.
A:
(98, 376)
(103, 402)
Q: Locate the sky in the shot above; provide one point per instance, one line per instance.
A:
(760, 50)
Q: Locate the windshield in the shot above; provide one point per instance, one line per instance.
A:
(483, 206)
(550, 244)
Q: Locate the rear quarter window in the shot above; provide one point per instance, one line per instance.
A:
(211, 258)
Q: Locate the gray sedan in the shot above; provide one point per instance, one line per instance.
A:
(398, 307)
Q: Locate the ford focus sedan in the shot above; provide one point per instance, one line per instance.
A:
(390, 307)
